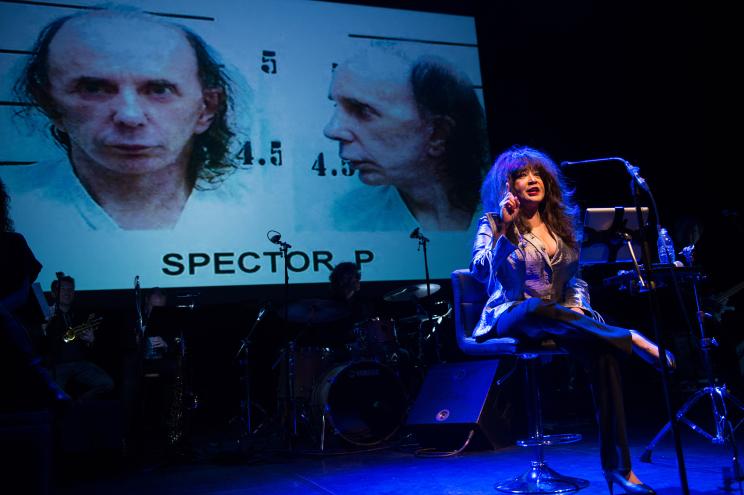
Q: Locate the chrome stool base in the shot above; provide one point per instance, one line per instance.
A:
(540, 478)
(548, 440)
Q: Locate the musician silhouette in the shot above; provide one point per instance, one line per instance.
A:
(69, 345)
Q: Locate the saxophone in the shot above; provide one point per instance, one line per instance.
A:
(183, 399)
(175, 424)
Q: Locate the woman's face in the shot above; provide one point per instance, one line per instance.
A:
(529, 187)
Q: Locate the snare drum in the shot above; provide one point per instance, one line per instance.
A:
(364, 402)
(375, 339)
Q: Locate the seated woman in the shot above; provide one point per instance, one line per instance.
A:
(527, 253)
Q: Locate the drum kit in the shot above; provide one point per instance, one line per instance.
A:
(355, 379)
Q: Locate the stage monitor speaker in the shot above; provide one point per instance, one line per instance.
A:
(457, 398)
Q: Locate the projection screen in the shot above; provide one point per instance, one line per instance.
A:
(316, 164)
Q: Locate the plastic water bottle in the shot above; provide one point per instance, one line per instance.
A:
(666, 247)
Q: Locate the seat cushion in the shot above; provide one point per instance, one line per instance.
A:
(470, 297)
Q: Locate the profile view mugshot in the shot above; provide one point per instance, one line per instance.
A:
(415, 131)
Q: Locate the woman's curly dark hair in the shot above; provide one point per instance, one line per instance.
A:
(557, 210)
(209, 158)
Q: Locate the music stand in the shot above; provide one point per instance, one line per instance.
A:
(44, 310)
(608, 237)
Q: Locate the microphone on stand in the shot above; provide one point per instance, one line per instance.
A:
(276, 238)
(245, 341)
(632, 169)
(262, 312)
(591, 160)
(416, 234)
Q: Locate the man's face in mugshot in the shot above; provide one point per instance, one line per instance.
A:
(128, 93)
(377, 123)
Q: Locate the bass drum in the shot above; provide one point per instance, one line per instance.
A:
(364, 402)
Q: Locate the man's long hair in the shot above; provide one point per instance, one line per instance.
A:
(557, 210)
(441, 91)
(209, 158)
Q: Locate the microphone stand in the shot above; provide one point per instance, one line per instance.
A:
(284, 250)
(635, 184)
(59, 320)
(422, 242)
(243, 355)
(138, 310)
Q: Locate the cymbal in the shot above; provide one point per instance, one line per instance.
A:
(315, 311)
(410, 293)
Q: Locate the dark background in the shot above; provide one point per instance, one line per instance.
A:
(587, 79)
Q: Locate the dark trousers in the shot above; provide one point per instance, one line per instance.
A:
(596, 346)
(84, 376)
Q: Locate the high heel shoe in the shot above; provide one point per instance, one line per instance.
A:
(649, 352)
(616, 478)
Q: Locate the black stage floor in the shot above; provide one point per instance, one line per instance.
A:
(394, 469)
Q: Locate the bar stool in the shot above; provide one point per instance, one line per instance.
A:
(470, 296)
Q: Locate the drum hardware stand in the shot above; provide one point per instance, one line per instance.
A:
(291, 370)
(725, 430)
(243, 358)
(322, 431)
(422, 242)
